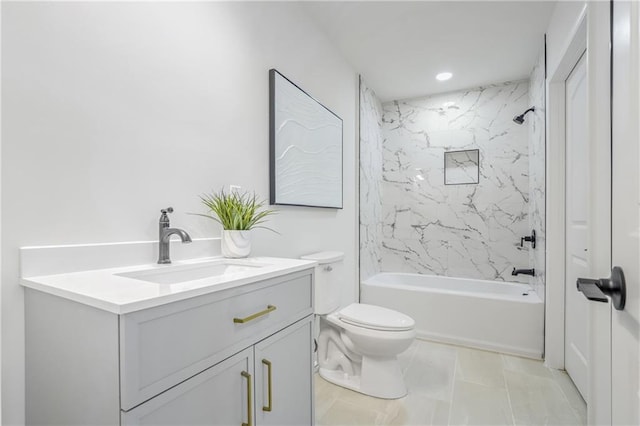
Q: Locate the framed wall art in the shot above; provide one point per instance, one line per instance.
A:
(305, 147)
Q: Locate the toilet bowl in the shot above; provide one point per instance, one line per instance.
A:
(359, 351)
(358, 344)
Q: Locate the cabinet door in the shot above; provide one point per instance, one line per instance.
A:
(286, 359)
(220, 395)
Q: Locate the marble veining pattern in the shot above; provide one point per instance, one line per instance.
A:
(537, 156)
(370, 182)
(456, 230)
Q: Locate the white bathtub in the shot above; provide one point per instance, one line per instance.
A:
(493, 315)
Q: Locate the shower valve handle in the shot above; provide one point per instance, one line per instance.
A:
(530, 239)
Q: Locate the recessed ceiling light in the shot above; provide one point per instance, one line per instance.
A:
(443, 76)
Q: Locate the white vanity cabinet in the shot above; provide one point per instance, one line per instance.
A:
(268, 384)
(239, 356)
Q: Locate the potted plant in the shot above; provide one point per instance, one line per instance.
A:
(238, 214)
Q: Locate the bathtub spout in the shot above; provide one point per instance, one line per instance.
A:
(531, 272)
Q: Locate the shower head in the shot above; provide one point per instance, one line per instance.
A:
(519, 119)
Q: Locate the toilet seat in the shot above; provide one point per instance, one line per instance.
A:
(375, 318)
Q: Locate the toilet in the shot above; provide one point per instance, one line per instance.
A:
(358, 344)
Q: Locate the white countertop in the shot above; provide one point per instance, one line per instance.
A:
(105, 290)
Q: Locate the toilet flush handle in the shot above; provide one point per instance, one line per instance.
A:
(328, 268)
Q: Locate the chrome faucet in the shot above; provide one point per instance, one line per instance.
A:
(165, 234)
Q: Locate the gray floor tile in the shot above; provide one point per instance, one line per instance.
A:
(571, 393)
(526, 365)
(459, 386)
(538, 400)
(431, 371)
(480, 367)
(475, 404)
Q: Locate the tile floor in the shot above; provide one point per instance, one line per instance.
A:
(451, 385)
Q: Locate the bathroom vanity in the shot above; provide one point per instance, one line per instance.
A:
(231, 345)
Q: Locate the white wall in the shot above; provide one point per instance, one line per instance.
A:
(113, 111)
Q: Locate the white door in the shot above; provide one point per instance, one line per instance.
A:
(625, 213)
(620, 403)
(577, 225)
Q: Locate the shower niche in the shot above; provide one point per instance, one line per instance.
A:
(462, 167)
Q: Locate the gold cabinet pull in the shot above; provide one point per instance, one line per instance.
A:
(270, 308)
(249, 401)
(269, 406)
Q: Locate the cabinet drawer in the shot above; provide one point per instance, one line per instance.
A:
(161, 347)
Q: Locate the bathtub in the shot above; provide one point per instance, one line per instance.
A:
(492, 315)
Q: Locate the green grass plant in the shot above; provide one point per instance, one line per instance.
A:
(236, 211)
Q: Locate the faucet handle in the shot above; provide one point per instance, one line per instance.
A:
(164, 219)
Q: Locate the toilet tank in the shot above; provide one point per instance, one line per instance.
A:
(329, 280)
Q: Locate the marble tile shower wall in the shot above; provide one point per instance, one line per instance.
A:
(537, 161)
(370, 182)
(470, 230)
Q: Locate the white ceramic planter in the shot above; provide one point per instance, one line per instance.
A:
(235, 244)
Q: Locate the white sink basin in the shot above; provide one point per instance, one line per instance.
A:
(183, 273)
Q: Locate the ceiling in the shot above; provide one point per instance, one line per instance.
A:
(399, 46)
